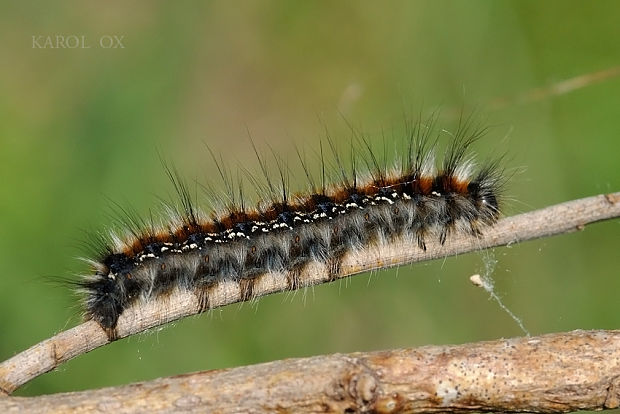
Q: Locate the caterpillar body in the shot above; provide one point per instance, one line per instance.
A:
(195, 252)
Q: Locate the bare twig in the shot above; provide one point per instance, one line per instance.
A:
(553, 373)
(561, 218)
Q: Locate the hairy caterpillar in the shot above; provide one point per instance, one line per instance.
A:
(284, 233)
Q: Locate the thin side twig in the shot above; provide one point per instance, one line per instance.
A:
(561, 218)
(553, 373)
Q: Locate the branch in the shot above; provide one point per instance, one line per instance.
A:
(561, 218)
(554, 373)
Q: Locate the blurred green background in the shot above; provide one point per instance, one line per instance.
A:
(80, 126)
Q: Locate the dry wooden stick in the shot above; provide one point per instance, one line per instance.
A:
(553, 373)
(561, 218)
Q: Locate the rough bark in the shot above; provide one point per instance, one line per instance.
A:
(552, 373)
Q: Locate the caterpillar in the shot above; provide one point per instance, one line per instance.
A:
(194, 251)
